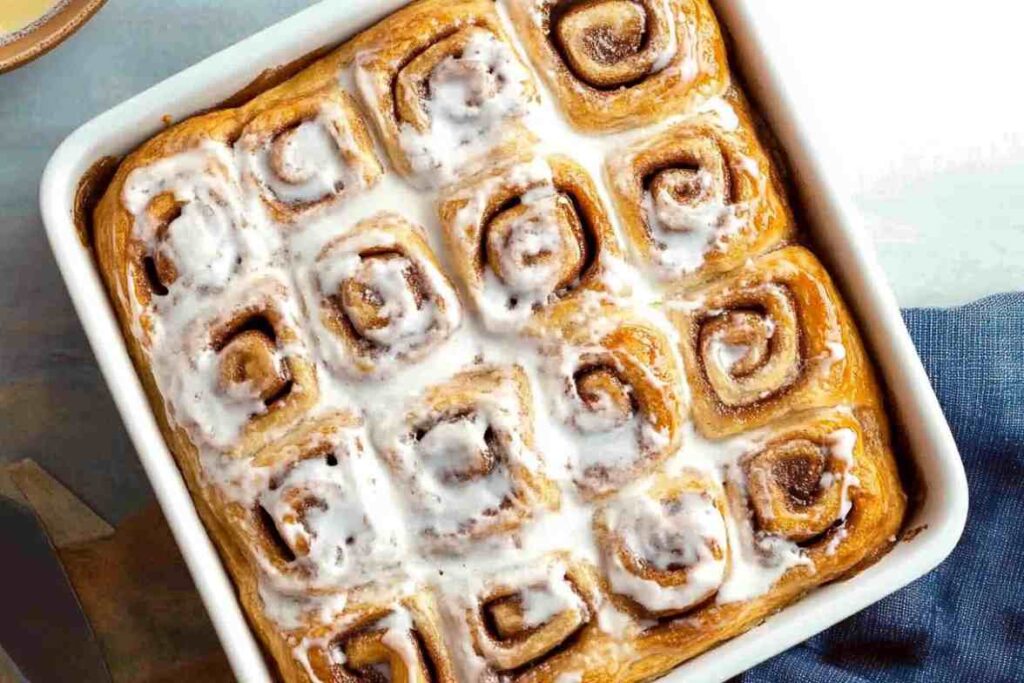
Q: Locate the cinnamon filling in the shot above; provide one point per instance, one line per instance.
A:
(793, 489)
(369, 303)
(608, 44)
(159, 268)
(250, 362)
(520, 640)
(364, 656)
(606, 395)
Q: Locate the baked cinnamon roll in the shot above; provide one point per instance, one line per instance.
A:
(401, 643)
(802, 480)
(616, 63)
(665, 550)
(616, 384)
(310, 512)
(308, 152)
(241, 376)
(177, 223)
(769, 339)
(384, 300)
(527, 234)
(465, 455)
(444, 87)
(700, 197)
(524, 618)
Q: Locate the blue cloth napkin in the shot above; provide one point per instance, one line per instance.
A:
(965, 620)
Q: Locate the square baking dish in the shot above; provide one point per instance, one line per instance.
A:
(935, 522)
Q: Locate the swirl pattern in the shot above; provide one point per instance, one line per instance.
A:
(527, 235)
(666, 550)
(699, 198)
(617, 386)
(800, 481)
(445, 98)
(248, 373)
(527, 618)
(384, 300)
(613, 63)
(189, 229)
(465, 451)
(308, 152)
(772, 338)
(309, 520)
(399, 644)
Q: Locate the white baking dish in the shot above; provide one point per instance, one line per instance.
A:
(833, 225)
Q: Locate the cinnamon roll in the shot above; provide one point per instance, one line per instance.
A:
(465, 454)
(177, 223)
(444, 87)
(803, 480)
(307, 152)
(525, 618)
(665, 550)
(617, 385)
(401, 643)
(310, 512)
(772, 338)
(527, 234)
(701, 197)
(618, 63)
(241, 376)
(384, 300)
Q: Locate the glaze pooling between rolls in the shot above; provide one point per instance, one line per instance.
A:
(465, 392)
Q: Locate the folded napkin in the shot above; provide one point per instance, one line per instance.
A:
(965, 620)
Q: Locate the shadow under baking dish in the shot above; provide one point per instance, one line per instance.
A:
(81, 166)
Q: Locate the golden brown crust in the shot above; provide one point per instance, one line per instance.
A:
(800, 389)
(716, 176)
(356, 650)
(619, 63)
(364, 324)
(500, 628)
(493, 403)
(393, 68)
(612, 368)
(487, 216)
(769, 339)
(268, 134)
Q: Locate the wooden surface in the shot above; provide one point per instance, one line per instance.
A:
(131, 582)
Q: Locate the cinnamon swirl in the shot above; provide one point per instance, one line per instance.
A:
(527, 234)
(700, 197)
(384, 299)
(769, 339)
(445, 91)
(618, 63)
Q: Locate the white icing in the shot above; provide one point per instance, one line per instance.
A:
(726, 355)
(415, 322)
(757, 560)
(841, 446)
(472, 98)
(682, 535)
(316, 160)
(686, 233)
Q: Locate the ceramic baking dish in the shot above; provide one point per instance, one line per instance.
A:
(935, 524)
